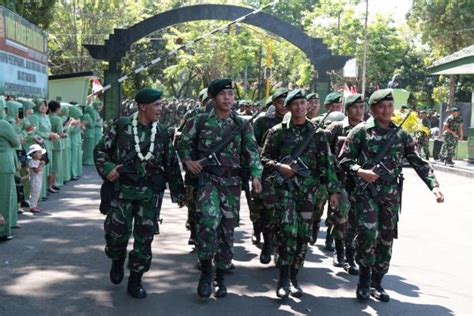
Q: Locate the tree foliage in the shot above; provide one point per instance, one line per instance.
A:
(39, 12)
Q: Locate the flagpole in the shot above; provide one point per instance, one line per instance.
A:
(364, 60)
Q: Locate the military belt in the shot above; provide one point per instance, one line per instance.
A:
(223, 172)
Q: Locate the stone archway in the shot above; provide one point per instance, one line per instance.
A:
(116, 47)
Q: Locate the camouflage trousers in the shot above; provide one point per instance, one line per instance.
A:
(424, 145)
(377, 220)
(338, 219)
(449, 146)
(263, 208)
(217, 215)
(191, 195)
(294, 212)
(142, 214)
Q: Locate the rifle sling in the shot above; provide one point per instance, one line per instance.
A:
(298, 150)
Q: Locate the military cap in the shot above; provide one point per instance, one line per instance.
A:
(380, 95)
(313, 95)
(203, 95)
(294, 95)
(352, 99)
(280, 93)
(217, 85)
(148, 95)
(423, 111)
(333, 97)
(454, 109)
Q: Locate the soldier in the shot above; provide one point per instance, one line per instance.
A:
(423, 136)
(313, 105)
(378, 192)
(219, 186)
(262, 213)
(453, 131)
(136, 154)
(294, 208)
(344, 231)
(333, 102)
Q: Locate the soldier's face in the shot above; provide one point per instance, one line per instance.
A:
(298, 108)
(313, 106)
(152, 111)
(280, 108)
(356, 111)
(337, 107)
(383, 111)
(224, 100)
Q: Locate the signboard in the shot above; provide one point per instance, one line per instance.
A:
(23, 57)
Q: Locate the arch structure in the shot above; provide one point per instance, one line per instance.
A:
(120, 42)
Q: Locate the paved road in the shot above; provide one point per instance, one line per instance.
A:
(56, 265)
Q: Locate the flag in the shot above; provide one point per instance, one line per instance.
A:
(96, 86)
(350, 68)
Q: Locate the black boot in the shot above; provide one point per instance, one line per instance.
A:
(256, 234)
(350, 266)
(283, 287)
(314, 235)
(266, 254)
(338, 259)
(220, 290)
(363, 291)
(205, 281)
(116, 271)
(376, 289)
(328, 245)
(295, 289)
(192, 237)
(135, 288)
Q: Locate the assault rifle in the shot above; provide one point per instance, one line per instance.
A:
(379, 167)
(294, 161)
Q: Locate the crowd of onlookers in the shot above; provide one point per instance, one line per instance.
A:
(43, 145)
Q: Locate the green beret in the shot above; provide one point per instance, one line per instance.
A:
(380, 95)
(269, 101)
(294, 95)
(96, 103)
(454, 109)
(333, 97)
(203, 95)
(148, 95)
(217, 85)
(280, 93)
(313, 95)
(352, 99)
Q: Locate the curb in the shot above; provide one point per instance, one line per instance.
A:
(464, 172)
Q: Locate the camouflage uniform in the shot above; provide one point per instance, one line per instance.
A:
(137, 201)
(423, 139)
(377, 216)
(451, 141)
(294, 209)
(218, 191)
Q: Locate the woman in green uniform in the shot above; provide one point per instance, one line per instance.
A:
(58, 146)
(89, 137)
(75, 131)
(98, 121)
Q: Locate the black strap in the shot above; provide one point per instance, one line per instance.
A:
(298, 150)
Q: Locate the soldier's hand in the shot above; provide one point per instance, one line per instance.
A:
(114, 174)
(256, 185)
(334, 200)
(438, 194)
(368, 175)
(193, 166)
(285, 170)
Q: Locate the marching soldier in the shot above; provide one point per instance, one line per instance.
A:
(313, 105)
(219, 181)
(344, 229)
(453, 131)
(137, 157)
(294, 208)
(373, 156)
(332, 103)
(262, 213)
(423, 136)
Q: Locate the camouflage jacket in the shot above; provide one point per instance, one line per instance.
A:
(335, 130)
(240, 152)
(366, 140)
(118, 142)
(281, 141)
(263, 124)
(454, 123)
